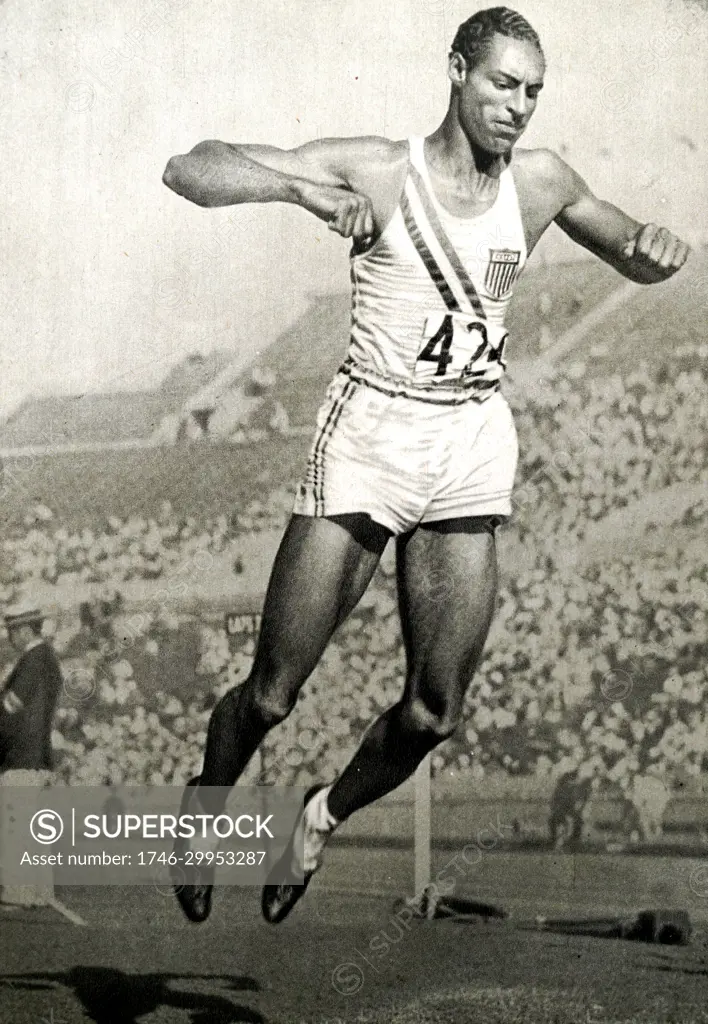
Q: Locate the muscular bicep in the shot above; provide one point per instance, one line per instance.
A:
(595, 224)
(332, 162)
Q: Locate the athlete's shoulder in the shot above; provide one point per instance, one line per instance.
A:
(545, 169)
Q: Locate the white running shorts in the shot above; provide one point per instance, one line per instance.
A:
(405, 461)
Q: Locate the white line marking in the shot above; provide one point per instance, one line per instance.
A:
(372, 894)
(57, 905)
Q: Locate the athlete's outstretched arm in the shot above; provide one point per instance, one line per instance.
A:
(644, 253)
(315, 176)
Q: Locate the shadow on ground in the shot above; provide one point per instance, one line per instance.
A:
(110, 996)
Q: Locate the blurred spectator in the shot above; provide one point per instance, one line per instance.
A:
(113, 806)
(27, 704)
(96, 623)
(569, 805)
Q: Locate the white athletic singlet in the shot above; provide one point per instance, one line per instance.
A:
(429, 298)
(414, 428)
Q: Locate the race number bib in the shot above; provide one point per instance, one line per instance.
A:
(457, 346)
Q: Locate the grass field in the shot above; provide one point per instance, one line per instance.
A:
(137, 960)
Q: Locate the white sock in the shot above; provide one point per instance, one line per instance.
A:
(318, 814)
(316, 826)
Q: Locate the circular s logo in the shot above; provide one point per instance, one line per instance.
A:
(699, 881)
(347, 979)
(46, 827)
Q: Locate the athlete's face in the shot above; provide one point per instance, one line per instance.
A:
(498, 96)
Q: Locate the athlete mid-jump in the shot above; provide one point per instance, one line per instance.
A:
(414, 439)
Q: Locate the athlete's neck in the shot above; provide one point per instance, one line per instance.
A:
(455, 157)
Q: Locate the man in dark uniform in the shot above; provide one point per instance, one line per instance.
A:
(28, 700)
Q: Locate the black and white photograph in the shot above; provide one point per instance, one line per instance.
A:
(354, 493)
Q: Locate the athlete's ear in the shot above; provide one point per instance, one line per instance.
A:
(457, 70)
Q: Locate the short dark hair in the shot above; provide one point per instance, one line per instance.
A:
(474, 35)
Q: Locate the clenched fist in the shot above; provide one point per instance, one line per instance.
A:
(656, 253)
(348, 213)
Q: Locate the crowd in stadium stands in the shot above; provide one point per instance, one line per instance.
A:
(596, 444)
(595, 673)
(136, 548)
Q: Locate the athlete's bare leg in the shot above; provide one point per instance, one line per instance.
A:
(447, 580)
(322, 568)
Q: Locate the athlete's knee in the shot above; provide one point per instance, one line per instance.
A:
(273, 697)
(273, 707)
(432, 723)
(264, 705)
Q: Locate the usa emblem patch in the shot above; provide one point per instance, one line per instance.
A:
(502, 269)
